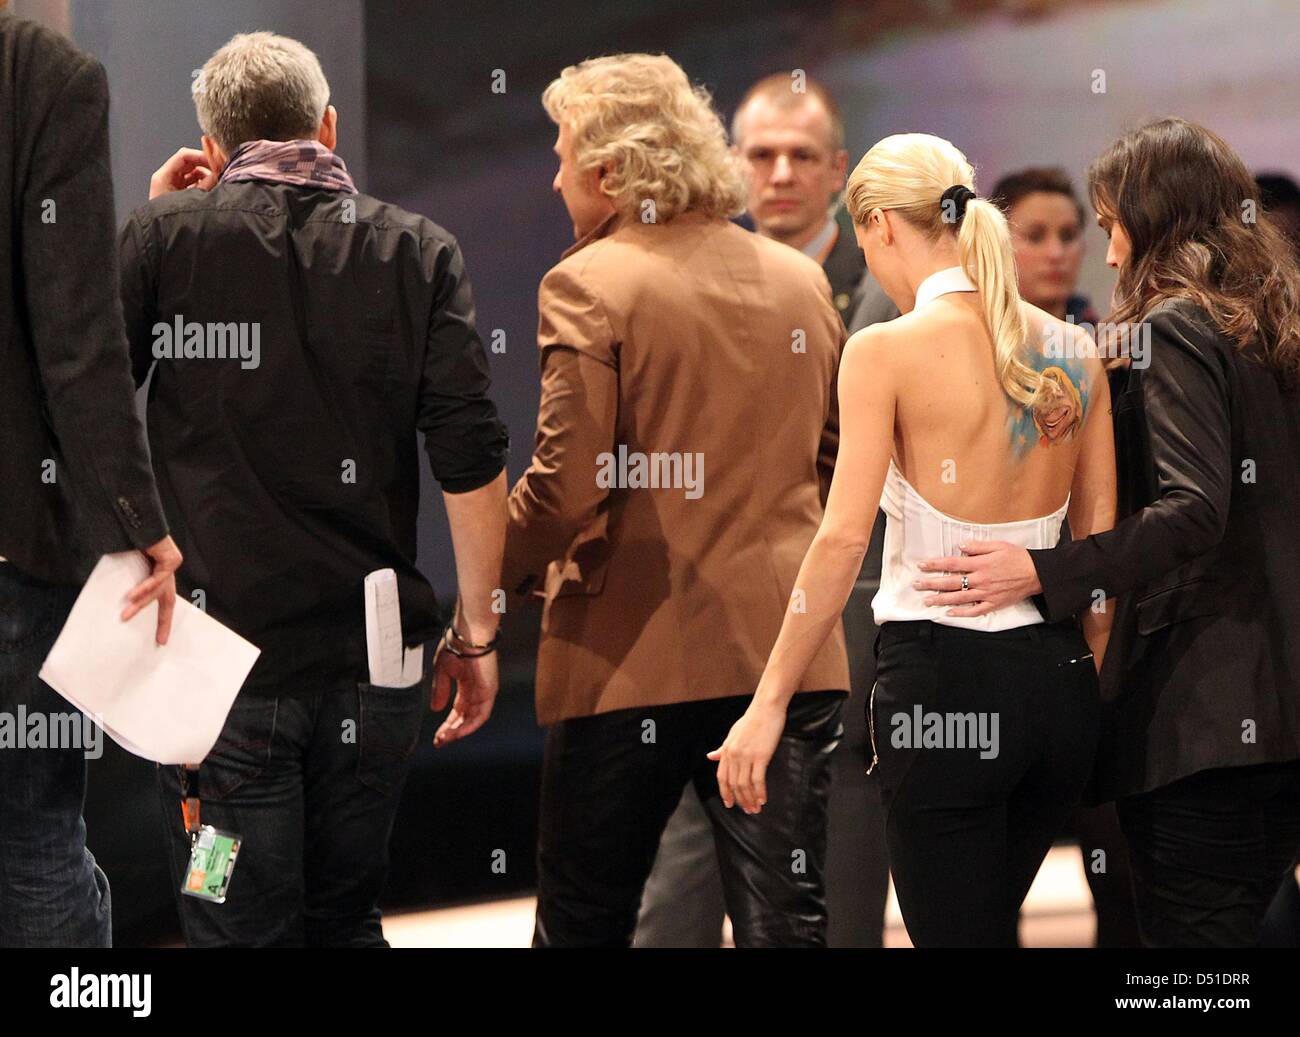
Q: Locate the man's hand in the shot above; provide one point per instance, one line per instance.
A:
(476, 692)
(187, 168)
(998, 574)
(159, 586)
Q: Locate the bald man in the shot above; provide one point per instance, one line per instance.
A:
(789, 131)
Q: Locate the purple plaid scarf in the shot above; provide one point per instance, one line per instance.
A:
(306, 163)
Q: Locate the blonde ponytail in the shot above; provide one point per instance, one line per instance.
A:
(984, 244)
(909, 174)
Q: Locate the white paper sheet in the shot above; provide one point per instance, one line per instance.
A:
(166, 703)
(391, 664)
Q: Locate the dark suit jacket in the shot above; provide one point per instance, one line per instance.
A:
(73, 467)
(1203, 666)
(845, 268)
(872, 305)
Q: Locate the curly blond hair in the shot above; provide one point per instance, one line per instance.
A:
(659, 138)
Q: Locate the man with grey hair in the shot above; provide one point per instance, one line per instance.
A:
(300, 334)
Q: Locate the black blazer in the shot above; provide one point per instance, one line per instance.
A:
(1203, 666)
(74, 474)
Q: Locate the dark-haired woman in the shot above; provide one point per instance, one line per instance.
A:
(1046, 220)
(1201, 738)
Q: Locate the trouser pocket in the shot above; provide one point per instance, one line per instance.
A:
(389, 729)
(243, 750)
(30, 610)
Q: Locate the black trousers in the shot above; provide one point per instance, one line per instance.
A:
(611, 781)
(1109, 873)
(1209, 852)
(985, 743)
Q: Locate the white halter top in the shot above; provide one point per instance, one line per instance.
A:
(916, 530)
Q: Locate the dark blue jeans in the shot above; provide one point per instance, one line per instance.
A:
(311, 784)
(52, 894)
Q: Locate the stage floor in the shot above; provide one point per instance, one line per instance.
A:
(1057, 913)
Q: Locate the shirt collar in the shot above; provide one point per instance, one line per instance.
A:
(603, 229)
(941, 282)
(823, 238)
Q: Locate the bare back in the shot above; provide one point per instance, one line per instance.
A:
(963, 444)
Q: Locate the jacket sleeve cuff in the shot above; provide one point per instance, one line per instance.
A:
(142, 521)
(1055, 601)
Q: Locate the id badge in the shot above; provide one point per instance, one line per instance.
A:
(212, 860)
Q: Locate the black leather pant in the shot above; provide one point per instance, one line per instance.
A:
(609, 784)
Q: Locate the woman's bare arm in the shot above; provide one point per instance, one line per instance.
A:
(825, 579)
(835, 556)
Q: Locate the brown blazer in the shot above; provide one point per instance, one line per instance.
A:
(701, 339)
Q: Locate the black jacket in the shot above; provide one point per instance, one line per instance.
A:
(290, 471)
(1203, 666)
(845, 269)
(74, 475)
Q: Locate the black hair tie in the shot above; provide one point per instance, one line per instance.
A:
(959, 194)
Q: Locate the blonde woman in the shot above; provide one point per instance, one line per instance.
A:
(974, 415)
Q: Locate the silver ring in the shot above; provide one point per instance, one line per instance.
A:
(965, 581)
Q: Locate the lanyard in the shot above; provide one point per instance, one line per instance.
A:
(190, 798)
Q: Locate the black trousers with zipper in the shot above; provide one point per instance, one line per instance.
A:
(968, 827)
